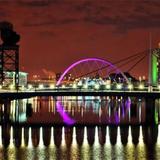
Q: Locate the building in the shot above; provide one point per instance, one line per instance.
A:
(10, 79)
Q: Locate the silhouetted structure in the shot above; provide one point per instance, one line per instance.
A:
(9, 52)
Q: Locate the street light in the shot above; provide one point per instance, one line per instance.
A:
(119, 86)
(108, 86)
(85, 86)
(11, 87)
(74, 86)
(63, 86)
(130, 86)
(30, 86)
(97, 86)
(40, 86)
(141, 86)
(52, 86)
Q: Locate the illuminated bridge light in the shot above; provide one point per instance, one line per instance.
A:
(97, 86)
(52, 86)
(80, 83)
(23, 88)
(63, 86)
(41, 86)
(86, 61)
(85, 86)
(30, 86)
(108, 86)
(0, 86)
(74, 86)
(11, 87)
(159, 86)
(130, 86)
(119, 86)
(141, 86)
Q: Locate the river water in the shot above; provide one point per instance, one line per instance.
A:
(75, 128)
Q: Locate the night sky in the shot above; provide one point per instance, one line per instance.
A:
(56, 33)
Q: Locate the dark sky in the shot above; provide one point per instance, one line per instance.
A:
(55, 33)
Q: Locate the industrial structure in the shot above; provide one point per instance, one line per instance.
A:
(9, 53)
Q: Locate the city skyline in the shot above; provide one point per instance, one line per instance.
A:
(55, 34)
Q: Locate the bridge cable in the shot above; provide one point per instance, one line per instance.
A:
(133, 66)
(128, 59)
(124, 64)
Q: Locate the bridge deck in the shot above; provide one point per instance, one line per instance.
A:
(28, 94)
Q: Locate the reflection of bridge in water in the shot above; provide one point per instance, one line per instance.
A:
(79, 111)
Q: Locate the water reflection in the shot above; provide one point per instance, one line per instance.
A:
(70, 111)
(103, 128)
(64, 135)
(74, 145)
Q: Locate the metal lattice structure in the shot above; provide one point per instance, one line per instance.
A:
(9, 62)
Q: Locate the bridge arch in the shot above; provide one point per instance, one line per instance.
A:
(68, 69)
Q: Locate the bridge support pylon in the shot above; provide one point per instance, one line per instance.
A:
(154, 69)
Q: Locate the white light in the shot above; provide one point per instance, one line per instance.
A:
(11, 86)
(159, 86)
(80, 83)
(41, 138)
(41, 86)
(74, 85)
(96, 86)
(141, 86)
(30, 86)
(63, 86)
(108, 86)
(23, 87)
(130, 86)
(85, 86)
(0, 86)
(52, 86)
(119, 86)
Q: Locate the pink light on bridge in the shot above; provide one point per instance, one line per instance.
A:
(86, 60)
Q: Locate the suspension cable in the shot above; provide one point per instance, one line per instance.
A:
(127, 59)
(133, 66)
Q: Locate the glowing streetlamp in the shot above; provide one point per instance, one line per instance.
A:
(108, 86)
(141, 87)
(23, 87)
(40, 86)
(97, 86)
(30, 86)
(63, 86)
(52, 86)
(130, 86)
(11, 87)
(119, 86)
(85, 86)
(74, 86)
